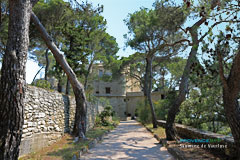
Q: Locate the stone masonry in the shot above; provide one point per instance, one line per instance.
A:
(47, 116)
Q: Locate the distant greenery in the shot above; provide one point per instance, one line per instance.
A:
(42, 84)
(198, 111)
(203, 112)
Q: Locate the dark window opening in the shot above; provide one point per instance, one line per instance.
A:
(108, 90)
(162, 96)
(97, 92)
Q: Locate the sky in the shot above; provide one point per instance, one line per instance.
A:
(115, 11)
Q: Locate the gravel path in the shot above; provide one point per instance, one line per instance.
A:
(129, 140)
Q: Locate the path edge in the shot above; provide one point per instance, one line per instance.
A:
(91, 145)
(175, 152)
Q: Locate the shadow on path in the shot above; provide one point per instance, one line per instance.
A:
(129, 140)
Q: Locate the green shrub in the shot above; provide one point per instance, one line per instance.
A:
(161, 109)
(144, 113)
(105, 117)
(42, 84)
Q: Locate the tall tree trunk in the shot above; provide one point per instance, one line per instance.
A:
(12, 85)
(232, 111)
(231, 90)
(0, 13)
(79, 128)
(59, 85)
(67, 87)
(87, 74)
(47, 65)
(183, 89)
(148, 89)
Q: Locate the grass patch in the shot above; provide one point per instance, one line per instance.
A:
(160, 132)
(65, 148)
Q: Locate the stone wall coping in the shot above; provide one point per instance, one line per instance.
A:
(136, 94)
(199, 133)
(109, 95)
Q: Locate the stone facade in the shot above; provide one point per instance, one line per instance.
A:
(123, 93)
(47, 116)
(133, 98)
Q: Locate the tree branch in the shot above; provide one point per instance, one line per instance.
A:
(221, 70)
(217, 23)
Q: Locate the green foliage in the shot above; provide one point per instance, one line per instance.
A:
(104, 118)
(42, 84)
(107, 116)
(148, 27)
(161, 107)
(133, 67)
(106, 78)
(175, 67)
(87, 42)
(3, 26)
(53, 14)
(143, 112)
(203, 110)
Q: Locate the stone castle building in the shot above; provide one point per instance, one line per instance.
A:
(124, 94)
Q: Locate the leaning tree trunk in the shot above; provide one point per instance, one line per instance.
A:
(12, 85)
(232, 111)
(79, 128)
(47, 64)
(183, 89)
(67, 87)
(87, 74)
(59, 85)
(148, 89)
(231, 90)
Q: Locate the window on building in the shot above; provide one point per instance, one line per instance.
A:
(162, 96)
(108, 90)
(100, 72)
(97, 92)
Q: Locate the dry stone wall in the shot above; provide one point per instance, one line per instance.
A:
(47, 116)
(223, 145)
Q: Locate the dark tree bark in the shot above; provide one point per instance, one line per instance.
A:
(183, 88)
(0, 12)
(79, 128)
(12, 85)
(87, 74)
(47, 65)
(232, 111)
(59, 85)
(148, 89)
(231, 90)
(67, 87)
